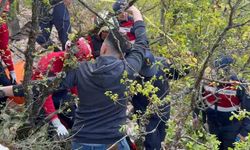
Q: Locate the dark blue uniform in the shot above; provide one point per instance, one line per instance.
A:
(57, 15)
(4, 81)
(222, 101)
(140, 103)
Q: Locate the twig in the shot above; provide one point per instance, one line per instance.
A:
(190, 138)
(201, 72)
(29, 57)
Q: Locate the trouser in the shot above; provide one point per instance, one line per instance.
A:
(153, 140)
(60, 18)
(122, 145)
(67, 117)
(225, 134)
(4, 81)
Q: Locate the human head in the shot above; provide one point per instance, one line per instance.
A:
(148, 67)
(115, 44)
(118, 8)
(103, 32)
(222, 62)
(222, 66)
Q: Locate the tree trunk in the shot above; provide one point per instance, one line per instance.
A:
(28, 95)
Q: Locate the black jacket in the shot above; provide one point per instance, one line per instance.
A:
(98, 119)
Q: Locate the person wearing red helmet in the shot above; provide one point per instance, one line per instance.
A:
(81, 50)
(54, 61)
(5, 52)
(98, 117)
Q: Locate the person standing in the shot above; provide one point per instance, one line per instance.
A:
(55, 14)
(222, 99)
(98, 118)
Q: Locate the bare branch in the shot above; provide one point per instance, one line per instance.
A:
(241, 24)
(29, 59)
(190, 138)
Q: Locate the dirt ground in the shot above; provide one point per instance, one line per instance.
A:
(18, 47)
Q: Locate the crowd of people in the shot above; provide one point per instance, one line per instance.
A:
(96, 120)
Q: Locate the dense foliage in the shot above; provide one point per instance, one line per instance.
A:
(186, 32)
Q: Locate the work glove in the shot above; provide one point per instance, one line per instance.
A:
(3, 147)
(68, 45)
(13, 77)
(62, 132)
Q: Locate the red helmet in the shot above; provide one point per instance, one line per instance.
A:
(83, 49)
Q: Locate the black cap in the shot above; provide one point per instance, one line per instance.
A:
(223, 62)
(117, 6)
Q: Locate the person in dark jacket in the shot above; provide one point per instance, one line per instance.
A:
(222, 99)
(140, 102)
(126, 22)
(56, 14)
(98, 118)
(95, 41)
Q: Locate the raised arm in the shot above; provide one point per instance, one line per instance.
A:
(135, 56)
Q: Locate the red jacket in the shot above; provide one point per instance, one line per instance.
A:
(4, 39)
(54, 62)
(126, 27)
(225, 97)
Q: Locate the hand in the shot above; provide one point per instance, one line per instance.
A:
(62, 132)
(239, 138)
(67, 2)
(132, 8)
(136, 13)
(68, 45)
(13, 77)
(195, 122)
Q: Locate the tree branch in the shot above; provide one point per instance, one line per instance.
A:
(28, 95)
